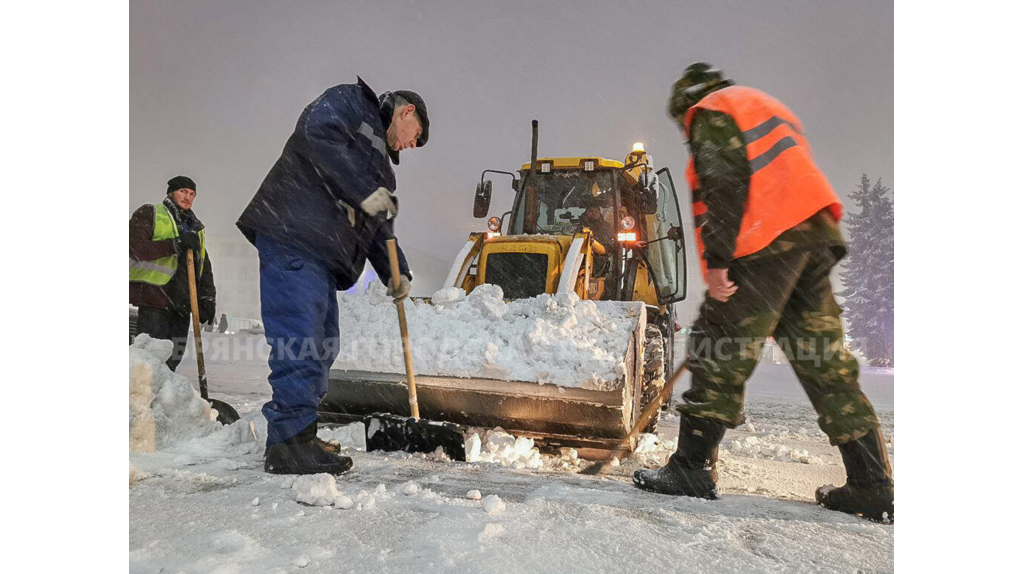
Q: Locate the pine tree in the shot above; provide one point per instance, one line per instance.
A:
(869, 273)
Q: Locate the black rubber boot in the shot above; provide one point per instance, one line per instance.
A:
(868, 491)
(688, 471)
(303, 454)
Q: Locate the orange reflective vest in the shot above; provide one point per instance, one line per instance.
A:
(786, 187)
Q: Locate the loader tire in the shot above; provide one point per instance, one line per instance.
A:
(654, 372)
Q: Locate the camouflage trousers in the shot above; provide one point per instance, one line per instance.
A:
(788, 297)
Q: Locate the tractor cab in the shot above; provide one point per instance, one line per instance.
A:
(626, 214)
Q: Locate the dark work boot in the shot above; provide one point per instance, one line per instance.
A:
(688, 471)
(869, 486)
(303, 454)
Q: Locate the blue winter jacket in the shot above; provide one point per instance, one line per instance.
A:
(337, 156)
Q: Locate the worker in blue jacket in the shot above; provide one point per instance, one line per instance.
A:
(326, 207)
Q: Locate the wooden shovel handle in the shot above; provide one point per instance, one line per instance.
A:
(194, 299)
(396, 281)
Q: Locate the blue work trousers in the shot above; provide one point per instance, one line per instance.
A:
(299, 299)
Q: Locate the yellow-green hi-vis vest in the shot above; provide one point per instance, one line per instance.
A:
(160, 271)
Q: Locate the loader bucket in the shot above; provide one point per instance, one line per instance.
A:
(593, 421)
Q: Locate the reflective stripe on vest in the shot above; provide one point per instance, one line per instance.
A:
(786, 186)
(159, 271)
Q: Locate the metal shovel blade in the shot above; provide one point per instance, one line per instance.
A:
(388, 432)
(226, 414)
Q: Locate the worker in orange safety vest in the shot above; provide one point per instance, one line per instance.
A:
(766, 222)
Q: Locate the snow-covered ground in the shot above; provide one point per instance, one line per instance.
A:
(205, 504)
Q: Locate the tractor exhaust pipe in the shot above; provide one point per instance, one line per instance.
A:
(533, 151)
(530, 225)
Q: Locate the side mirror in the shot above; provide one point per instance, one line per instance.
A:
(515, 184)
(675, 233)
(482, 200)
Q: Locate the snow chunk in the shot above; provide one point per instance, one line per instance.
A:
(343, 502)
(447, 295)
(647, 443)
(365, 501)
(410, 488)
(473, 495)
(493, 504)
(316, 489)
(473, 447)
(349, 436)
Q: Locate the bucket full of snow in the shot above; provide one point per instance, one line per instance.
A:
(564, 371)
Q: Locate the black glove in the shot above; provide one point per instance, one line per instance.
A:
(207, 310)
(189, 240)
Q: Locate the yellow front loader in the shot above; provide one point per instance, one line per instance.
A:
(602, 229)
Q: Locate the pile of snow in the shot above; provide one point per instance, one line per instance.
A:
(752, 446)
(548, 339)
(163, 406)
(166, 412)
(500, 447)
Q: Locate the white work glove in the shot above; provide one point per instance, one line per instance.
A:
(378, 202)
(402, 292)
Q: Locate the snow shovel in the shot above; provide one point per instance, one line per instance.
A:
(652, 410)
(391, 432)
(226, 414)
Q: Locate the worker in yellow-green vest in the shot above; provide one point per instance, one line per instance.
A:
(159, 235)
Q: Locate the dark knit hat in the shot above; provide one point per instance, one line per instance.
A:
(178, 182)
